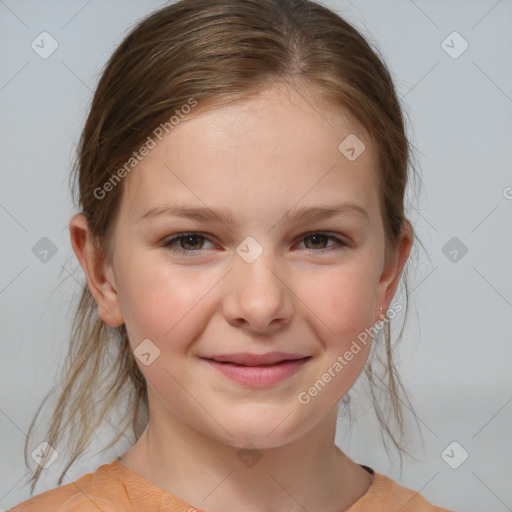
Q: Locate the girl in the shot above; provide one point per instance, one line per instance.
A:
(241, 180)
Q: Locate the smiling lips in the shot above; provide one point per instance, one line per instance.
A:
(257, 370)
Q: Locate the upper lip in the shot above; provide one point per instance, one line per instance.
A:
(248, 359)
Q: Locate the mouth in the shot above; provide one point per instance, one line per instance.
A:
(248, 359)
(257, 371)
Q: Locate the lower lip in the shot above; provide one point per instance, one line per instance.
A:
(258, 376)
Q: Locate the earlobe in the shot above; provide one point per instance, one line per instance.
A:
(98, 271)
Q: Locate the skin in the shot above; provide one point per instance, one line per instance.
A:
(260, 158)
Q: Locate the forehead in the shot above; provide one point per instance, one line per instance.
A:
(276, 144)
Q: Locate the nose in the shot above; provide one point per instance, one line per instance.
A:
(257, 297)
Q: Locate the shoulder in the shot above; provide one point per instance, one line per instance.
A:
(386, 495)
(100, 490)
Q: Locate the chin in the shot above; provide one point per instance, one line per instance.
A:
(262, 430)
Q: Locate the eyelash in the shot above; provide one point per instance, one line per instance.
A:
(176, 250)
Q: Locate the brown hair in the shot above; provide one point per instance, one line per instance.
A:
(216, 52)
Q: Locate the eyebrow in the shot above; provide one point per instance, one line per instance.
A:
(226, 216)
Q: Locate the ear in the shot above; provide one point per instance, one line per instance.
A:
(99, 273)
(390, 276)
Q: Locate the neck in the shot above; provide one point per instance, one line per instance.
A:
(310, 473)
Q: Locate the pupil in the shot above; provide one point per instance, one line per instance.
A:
(316, 238)
(189, 238)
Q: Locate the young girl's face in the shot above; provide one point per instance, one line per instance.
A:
(263, 279)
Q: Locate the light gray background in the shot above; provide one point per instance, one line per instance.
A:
(457, 348)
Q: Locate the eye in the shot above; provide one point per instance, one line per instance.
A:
(189, 242)
(319, 240)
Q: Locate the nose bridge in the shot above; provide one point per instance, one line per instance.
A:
(255, 266)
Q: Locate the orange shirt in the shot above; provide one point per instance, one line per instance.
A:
(116, 488)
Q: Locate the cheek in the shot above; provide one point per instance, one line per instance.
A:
(161, 303)
(342, 300)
